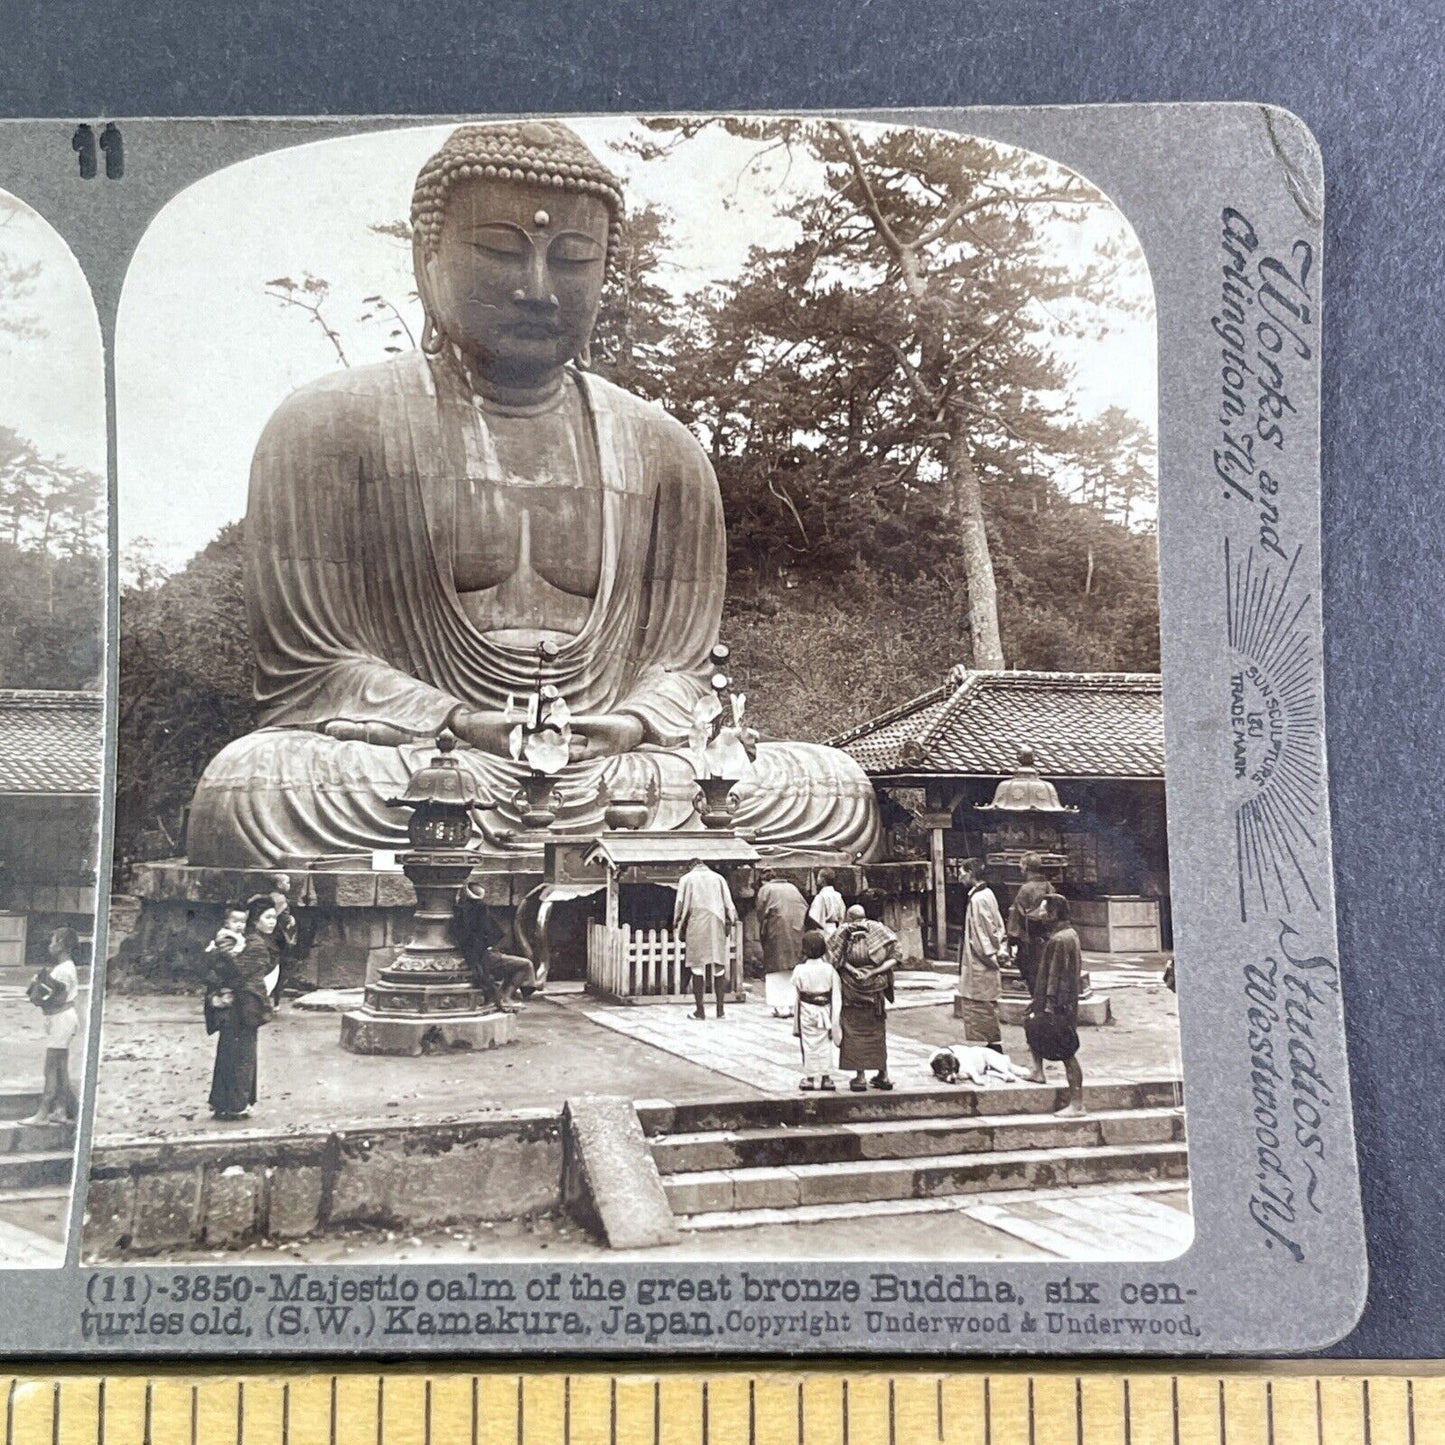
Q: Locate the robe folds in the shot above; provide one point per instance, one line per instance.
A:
(357, 625)
(703, 915)
(782, 914)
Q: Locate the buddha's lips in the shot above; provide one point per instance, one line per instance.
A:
(535, 331)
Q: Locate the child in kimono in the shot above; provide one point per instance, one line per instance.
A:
(815, 1019)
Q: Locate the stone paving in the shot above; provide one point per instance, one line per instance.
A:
(747, 1045)
(32, 1228)
(156, 1061)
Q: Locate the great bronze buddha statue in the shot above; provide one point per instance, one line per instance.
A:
(417, 528)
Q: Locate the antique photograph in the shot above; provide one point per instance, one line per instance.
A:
(52, 668)
(640, 719)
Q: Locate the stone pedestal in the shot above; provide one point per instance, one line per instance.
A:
(424, 1000)
(366, 1032)
(1095, 1009)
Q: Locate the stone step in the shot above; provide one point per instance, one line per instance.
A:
(18, 1104)
(35, 1170)
(18, 1137)
(800, 1185)
(882, 1209)
(660, 1117)
(834, 1143)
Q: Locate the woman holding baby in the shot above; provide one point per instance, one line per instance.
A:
(238, 1001)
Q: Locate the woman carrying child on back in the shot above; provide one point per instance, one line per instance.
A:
(864, 953)
(238, 1001)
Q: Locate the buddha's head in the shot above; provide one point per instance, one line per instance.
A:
(514, 227)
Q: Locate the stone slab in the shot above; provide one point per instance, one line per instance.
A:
(167, 1210)
(295, 1200)
(109, 1216)
(1141, 1128)
(22, 1138)
(765, 1188)
(36, 1171)
(231, 1206)
(939, 1102)
(369, 1033)
(611, 1183)
(17, 1104)
(703, 1193)
(409, 1177)
(835, 1183)
(145, 1200)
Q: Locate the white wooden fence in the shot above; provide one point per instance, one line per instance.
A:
(648, 963)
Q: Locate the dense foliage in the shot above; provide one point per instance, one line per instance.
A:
(52, 570)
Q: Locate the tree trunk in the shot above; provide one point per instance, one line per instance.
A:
(967, 499)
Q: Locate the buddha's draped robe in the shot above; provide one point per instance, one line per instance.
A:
(356, 619)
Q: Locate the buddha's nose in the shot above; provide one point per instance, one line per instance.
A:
(537, 291)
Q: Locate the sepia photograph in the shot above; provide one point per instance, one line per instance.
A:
(640, 726)
(52, 668)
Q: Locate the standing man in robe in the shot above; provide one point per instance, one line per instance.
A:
(1052, 1025)
(782, 914)
(1024, 931)
(983, 950)
(703, 917)
(827, 909)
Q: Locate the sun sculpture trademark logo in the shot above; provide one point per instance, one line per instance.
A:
(1275, 732)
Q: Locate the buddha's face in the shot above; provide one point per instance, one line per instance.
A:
(517, 276)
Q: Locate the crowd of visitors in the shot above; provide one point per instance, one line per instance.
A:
(838, 962)
(843, 960)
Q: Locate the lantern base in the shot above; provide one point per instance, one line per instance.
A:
(367, 1031)
(1094, 1011)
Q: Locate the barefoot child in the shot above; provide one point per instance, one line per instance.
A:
(815, 1019)
(53, 992)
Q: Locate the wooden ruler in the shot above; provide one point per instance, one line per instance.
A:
(1260, 1405)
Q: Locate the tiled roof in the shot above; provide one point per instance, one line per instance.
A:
(1079, 724)
(50, 742)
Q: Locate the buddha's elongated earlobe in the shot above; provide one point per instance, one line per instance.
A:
(431, 338)
(584, 355)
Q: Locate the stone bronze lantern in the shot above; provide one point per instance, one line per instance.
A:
(426, 1000)
(1025, 816)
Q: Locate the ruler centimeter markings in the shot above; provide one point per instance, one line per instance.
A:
(1264, 1405)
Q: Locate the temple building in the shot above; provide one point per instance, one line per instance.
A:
(50, 774)
(994, 765)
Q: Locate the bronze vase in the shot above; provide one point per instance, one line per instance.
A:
(537, 800)
(714, 801)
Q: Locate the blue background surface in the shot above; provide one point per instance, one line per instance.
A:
(1367, 78)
